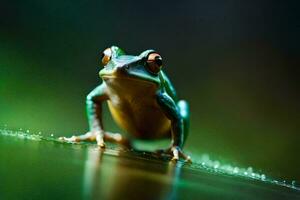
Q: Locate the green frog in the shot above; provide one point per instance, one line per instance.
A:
(142, 101)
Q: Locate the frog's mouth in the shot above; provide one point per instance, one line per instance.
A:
(131, 76)
(110, 77)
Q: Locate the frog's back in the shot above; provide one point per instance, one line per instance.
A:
(134, 107)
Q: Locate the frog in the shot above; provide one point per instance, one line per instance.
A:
(142, 101)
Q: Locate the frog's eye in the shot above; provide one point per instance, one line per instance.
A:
(106, 56)
(154, 62)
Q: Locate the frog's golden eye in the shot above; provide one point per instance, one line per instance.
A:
(154, 62)
(106, 56)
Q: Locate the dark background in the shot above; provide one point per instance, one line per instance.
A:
(236, 62)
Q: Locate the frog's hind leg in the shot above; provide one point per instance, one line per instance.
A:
(184, 111)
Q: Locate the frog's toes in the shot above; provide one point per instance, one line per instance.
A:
(175, 155)
(101, 144)
(69, 139)
(187, 159)
(175, 152)
(100, 140)
(178, 153)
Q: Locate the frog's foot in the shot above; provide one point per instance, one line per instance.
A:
(89, 136)
(100, 137)
(176, 153)
(69, 139)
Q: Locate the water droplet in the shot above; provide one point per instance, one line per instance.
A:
(52, 135)
(236, 170)
(216, 164)
(263, 177)
(284, 182)
(249, 170)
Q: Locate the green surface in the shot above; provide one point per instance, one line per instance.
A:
(48, 169)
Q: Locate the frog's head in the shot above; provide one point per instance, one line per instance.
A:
(144, 67)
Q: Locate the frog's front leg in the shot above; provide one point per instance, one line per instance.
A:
(178, 120)
(94, 102)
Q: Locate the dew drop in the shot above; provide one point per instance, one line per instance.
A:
(250, 170)
(236, 170)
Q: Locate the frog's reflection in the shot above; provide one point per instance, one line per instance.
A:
(111, 177)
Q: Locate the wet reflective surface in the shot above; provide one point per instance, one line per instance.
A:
(45, 169)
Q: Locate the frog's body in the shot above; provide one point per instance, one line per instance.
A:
(135, 101)
(141, 99)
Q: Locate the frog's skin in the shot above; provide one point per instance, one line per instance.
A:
(141, 99)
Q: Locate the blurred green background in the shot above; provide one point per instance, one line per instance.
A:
(236, 62)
